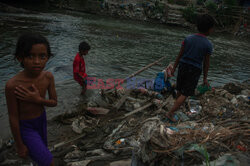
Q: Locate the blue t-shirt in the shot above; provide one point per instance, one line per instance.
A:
(196, 47)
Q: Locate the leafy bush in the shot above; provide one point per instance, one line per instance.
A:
(211, 6)
(200, 2)
(190, 14)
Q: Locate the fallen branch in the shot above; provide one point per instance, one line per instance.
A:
(138, 110)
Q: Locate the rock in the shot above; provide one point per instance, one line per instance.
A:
(121, 163)
(79, 163)
(232, 88)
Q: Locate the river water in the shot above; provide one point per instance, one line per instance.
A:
(118, 48)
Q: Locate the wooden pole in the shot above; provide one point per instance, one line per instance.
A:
(134, 74)
(137, 110)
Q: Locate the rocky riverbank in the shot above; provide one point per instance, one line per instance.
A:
(149, 11)
(213, 126)
(153, 11)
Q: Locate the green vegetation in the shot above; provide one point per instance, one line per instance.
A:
(226, 12)
(202, 150)
(200, 2)
(211, 6)
(190, 14)
(159, 7)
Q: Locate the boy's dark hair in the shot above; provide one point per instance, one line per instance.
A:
(25, 43)
(84, 46)
(204, 23)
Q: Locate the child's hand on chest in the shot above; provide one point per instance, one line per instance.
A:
(28, 93)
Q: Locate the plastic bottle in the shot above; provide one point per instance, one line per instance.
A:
(195, 107)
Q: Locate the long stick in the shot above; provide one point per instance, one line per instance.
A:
(66, 142)
(134, 74)
(137, 110)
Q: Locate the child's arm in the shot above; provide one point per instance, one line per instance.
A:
(34, 96)
(206, 63)
(52, 91)
(14, 119)
(52, 102)
(178, 59)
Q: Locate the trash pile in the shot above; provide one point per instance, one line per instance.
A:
(190, 142)
(213, 127)
(210, 125)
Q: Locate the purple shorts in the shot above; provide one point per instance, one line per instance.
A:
(34, 136)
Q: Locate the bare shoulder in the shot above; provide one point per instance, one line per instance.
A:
(11, 83)
(48, 75)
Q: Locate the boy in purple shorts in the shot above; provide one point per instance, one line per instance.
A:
(193, 56)
(25, 96)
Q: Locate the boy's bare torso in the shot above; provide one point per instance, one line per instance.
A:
(28, 110)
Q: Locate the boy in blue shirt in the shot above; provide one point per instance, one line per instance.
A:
(193, 56)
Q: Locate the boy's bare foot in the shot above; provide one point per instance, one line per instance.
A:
(170, 116)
